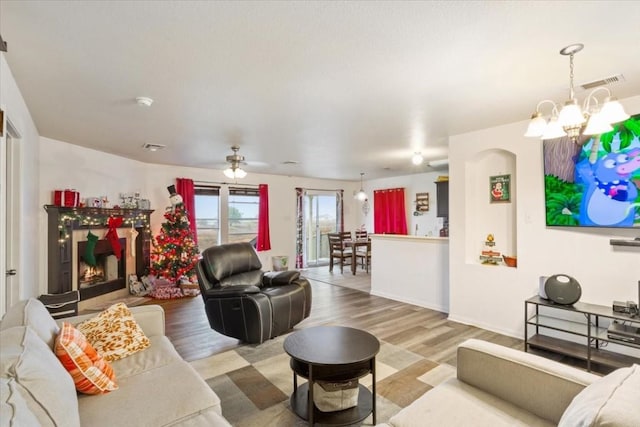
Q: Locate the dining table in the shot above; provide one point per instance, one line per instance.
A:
(354, 244)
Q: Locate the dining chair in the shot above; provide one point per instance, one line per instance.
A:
(364, 255)
(339, 249)
(361, 234)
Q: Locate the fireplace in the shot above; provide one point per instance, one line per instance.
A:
(106, 276)
(67, 235)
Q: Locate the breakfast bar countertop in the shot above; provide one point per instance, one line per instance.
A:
(404, 236)
(412, 269)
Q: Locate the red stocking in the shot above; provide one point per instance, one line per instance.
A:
(112, 235)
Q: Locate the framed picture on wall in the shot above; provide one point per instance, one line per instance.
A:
(500, 188)
(422, 202)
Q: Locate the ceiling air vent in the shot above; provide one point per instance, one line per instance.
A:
(153, 147)
(618, 78)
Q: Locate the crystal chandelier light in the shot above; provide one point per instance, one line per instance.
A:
(361, 195)
(234, 171)
(569, 120)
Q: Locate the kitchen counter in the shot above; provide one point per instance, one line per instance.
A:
(405, 237)
(411, 269)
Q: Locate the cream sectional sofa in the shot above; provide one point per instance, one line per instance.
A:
(156, 386)
(500, 386)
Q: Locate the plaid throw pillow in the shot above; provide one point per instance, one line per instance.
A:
(91, 373)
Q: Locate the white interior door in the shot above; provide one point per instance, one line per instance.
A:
(9, 215)
(3, 216)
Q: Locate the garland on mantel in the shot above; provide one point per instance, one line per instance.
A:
(99, 218)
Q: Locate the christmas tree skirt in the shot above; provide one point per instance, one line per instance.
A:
(161, 288)
(166, 292)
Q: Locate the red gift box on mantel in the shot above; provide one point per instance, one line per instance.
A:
(67, 198)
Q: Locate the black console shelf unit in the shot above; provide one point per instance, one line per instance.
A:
(549, 327)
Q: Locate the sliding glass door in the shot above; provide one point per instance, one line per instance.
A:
(320, 218)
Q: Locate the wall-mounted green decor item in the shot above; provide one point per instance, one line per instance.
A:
(500, 188)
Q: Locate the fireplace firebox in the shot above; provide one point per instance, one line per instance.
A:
(106, 276)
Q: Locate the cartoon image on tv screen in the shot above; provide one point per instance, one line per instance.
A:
(595, 183)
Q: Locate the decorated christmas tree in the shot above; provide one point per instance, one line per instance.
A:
(174, 254)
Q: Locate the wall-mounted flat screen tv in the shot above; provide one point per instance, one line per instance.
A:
(595, 182)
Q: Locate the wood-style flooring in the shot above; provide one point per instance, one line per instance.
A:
(338, 299)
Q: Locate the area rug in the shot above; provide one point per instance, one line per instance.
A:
(254, 382)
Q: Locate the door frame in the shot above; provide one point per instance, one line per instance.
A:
(309, 194)
(9, 214)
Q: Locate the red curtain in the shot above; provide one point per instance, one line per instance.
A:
(263, 243)
(389, 215)
(184, 187)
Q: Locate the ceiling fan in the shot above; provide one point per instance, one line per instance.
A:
(233, 162)
(234, 170)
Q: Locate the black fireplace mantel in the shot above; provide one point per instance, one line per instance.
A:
(62, 221)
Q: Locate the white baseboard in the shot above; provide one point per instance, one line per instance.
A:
(487, 326)
(423, 304)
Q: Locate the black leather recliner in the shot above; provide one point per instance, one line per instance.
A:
(242, 301)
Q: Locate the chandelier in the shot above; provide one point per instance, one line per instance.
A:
(234, 170)
(361, 195)
(570, 119)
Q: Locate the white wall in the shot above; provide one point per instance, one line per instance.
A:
(282, 201)
(417, 183)
(17, 113)
(94, 173)
(493, 297)
(91, 172)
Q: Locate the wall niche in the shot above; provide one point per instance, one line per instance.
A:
(486, 214)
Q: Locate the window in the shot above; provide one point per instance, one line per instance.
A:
(237, 223)
(244, 204)
(207, 216)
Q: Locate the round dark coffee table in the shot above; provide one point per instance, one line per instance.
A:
(332, 353)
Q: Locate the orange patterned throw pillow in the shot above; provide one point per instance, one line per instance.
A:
(114, 333)
(90, 372)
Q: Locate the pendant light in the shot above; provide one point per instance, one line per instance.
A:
(571, 119)
(361, 195)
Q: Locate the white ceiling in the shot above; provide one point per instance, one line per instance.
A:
(340, 87)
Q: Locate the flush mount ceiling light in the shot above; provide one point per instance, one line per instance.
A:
(571, 118)
(361, 195)
(234, 171)
(417, 158)
(144, 101)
